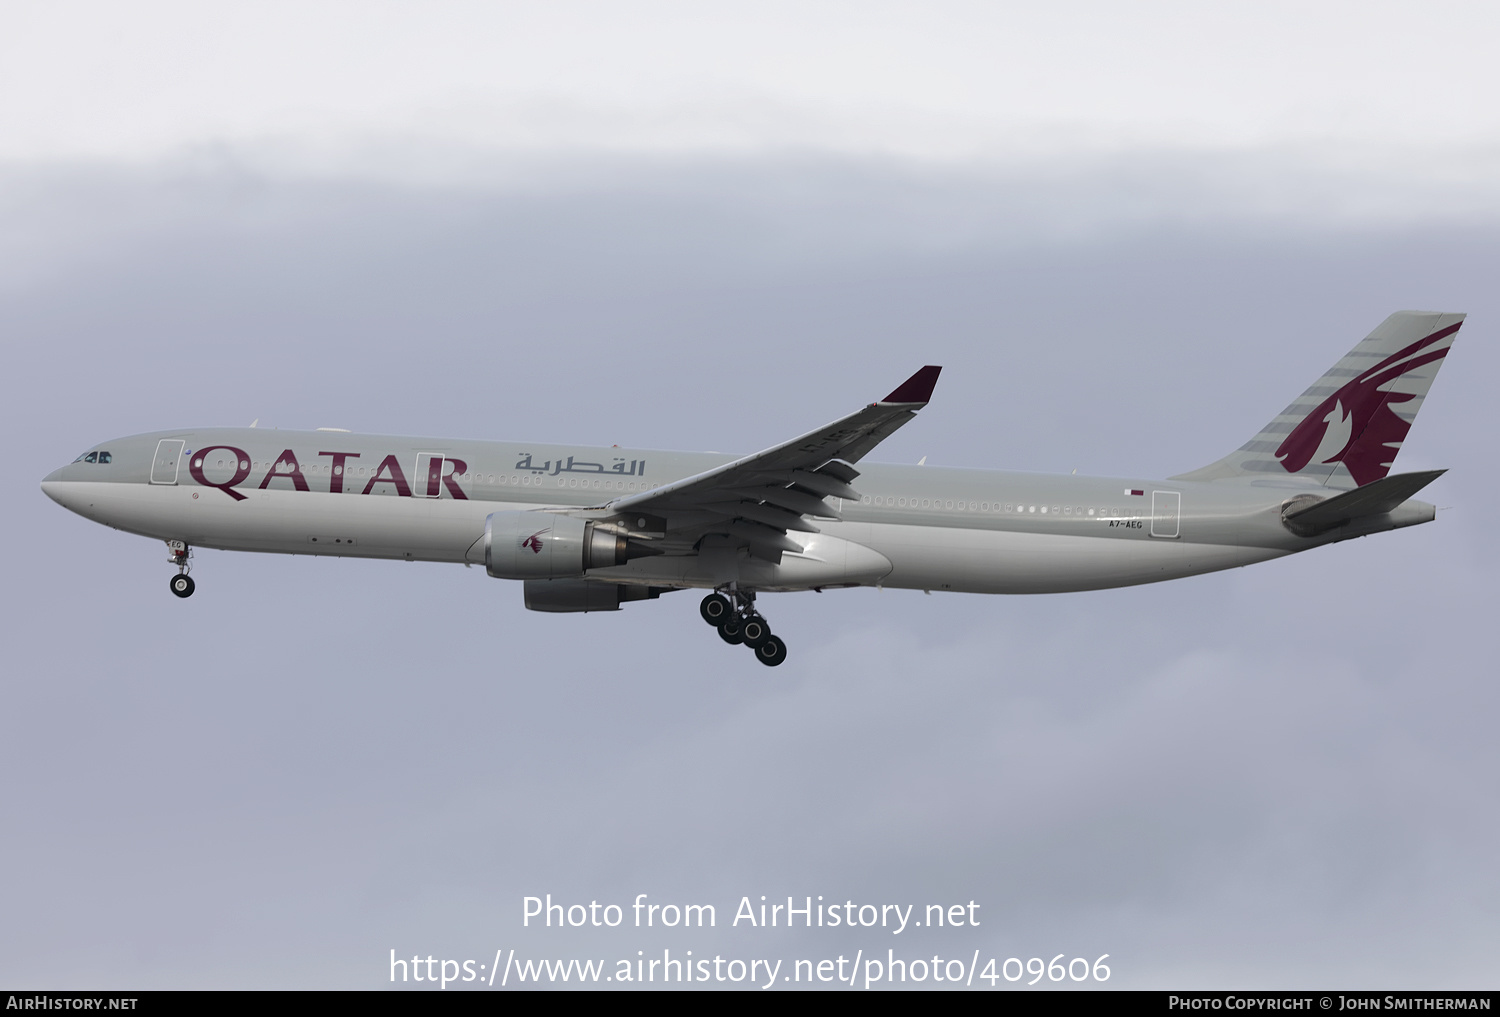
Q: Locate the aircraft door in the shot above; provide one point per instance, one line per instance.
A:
(1166, 513)
(429, 475)
(168, 458)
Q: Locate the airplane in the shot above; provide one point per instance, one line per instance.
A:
(592, 529)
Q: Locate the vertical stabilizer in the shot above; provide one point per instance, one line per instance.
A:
(1345, 430)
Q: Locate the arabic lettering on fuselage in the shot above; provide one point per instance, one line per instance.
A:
(635, 468)
(447, 476)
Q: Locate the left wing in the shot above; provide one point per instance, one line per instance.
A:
(757, 499)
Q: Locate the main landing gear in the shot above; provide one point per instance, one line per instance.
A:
(182, 584)
(738, 623)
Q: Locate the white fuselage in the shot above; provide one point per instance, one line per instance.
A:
(915, 527)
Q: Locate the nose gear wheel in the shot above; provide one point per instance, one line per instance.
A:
(182, 584)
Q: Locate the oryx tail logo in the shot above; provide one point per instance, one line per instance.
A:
(535, 541)
(1356, 425)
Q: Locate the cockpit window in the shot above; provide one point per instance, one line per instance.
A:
(92, 457)
(95, 457)
(105, 457)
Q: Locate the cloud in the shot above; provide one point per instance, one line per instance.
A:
(1274, 776)
(954, 81)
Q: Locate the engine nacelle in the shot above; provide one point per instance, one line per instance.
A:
(558, 596)
(544, 545)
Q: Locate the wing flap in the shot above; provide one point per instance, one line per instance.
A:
(791, 500)
(763, 536)
(838, 471)
(768, 514)
(823, 486)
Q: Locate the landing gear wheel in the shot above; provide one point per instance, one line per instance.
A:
(182, 586)
(755, 631)
(715, 608)
(771, 652)
(731, 631)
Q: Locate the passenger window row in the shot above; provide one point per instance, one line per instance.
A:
(976, 506)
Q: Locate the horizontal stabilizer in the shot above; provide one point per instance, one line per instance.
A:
(1308, 516)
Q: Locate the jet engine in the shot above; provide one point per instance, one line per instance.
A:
(544, 545)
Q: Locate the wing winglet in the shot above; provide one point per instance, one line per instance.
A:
(916, 389)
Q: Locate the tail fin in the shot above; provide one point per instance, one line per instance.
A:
(1345, 431)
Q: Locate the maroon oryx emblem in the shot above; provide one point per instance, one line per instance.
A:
(535, 541)
(1356, 425)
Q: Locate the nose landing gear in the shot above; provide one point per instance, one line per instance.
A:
(736, 619)
(182, 584)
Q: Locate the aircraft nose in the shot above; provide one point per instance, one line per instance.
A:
(61, 490)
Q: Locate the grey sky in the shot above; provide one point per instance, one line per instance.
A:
(1277, 776)
(946, 81)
